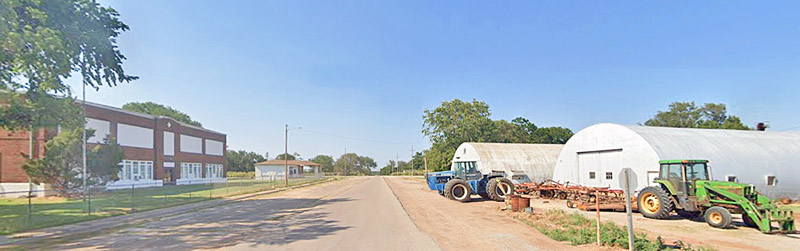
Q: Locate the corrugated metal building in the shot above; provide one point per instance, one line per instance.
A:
(534, 160)
(595, 155)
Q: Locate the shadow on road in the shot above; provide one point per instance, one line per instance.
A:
(273, 221)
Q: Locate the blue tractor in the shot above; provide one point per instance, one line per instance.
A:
(465, 180)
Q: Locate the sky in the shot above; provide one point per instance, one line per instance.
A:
(357, 75)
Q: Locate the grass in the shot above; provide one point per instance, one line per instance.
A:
(579, 230)
(55, 211)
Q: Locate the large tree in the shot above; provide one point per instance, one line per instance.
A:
(160, 110)
(243, 161)
(62, 165)
(353, 164)
(455, 122)
(325, 162)
(288, 156)
(42, 43)
(689, 115)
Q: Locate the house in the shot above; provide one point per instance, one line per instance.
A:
(276, 169)
(596, 155)
(158, 150)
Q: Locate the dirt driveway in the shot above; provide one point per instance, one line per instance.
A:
(692, 232)
(477, 225)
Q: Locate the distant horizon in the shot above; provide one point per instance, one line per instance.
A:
(359, 75)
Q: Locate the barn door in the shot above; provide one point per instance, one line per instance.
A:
(599, 168)
(589, 168)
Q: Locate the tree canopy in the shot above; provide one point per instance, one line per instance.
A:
(353, 164)
(160, 110)
(243, 161)
(325, 162)
(689, 115)
(43, 43)
(455, 122)
(62, 165)
(288, 156)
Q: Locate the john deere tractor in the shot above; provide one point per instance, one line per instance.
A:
(465, 180)
(685, 187)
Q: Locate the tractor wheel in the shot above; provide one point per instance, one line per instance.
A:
(654, 203)
(562, 195)
(458, 190)
(718, 217)
(688, 214)
(496, 186)
(749, 222)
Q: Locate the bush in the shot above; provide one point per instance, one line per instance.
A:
(248, 175)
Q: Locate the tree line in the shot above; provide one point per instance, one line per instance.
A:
(346, 164)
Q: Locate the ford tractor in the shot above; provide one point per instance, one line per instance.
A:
(464, 180)
(684, 186)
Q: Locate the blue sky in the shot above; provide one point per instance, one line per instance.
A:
(358, 74)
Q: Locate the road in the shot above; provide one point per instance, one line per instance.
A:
(353, 214)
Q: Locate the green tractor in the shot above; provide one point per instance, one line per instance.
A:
(685, 187)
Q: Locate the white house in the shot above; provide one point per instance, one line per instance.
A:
(273, 169)
(536, 161)
(595, 155)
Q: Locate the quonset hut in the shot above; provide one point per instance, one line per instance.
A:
(521, 162)
(595, 156)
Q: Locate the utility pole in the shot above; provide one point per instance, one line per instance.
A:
(286, 155)
(412, 160)
(84, 140)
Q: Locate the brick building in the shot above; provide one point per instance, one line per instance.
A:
(158, 150)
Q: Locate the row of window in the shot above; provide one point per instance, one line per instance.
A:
(770, 179)
(609, 175)
(194, 171)
(143, 170)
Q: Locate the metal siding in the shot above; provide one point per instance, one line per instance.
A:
(535, 160)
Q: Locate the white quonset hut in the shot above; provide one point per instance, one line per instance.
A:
(534, 160)
(595, 156)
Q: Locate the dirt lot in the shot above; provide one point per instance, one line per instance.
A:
(692, 232)
(477, 225)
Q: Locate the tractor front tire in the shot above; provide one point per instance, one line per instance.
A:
(496, 186)
(458, 190)
(718, 217)
(654, 203)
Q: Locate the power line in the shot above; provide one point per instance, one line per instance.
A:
(359, 139)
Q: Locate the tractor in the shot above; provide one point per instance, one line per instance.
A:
(464, 180)
(685, 187)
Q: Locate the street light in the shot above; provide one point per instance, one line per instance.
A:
(286, 154)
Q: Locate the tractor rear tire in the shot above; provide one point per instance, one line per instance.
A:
(654, 203)
(495, 186)
(749, 222)
(718, 217)
(458, 190)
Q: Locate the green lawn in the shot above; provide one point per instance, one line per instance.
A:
(54, 211)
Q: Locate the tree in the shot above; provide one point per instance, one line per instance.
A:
(392, 167)
(43, 43)
(243, 161)
(290, 156)
(352, 163)
(160, 110)
(689, 115)
(62, 165)
(325, 162)
(455, 122)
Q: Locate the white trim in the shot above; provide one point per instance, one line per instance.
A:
(199, 181)
(127, 184)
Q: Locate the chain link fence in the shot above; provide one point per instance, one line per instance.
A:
(26, 210)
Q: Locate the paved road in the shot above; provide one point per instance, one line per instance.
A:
(352, 214)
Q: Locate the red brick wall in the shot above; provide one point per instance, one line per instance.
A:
(13, 147)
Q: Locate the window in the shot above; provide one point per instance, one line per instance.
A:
(696, 171)
(135, 170)
(591, 175)
(675, 172)
(609, 175)
(771, 180)
(731, 178)
(213, 171)
(191, 171)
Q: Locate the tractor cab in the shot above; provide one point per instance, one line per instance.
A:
(466, 170)
(681, 175)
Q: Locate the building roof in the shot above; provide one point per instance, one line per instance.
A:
(290, 162)
(722, 146)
